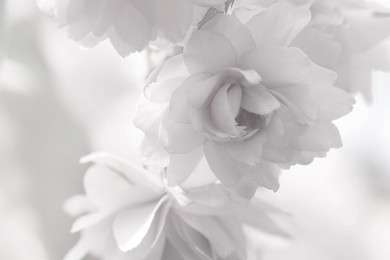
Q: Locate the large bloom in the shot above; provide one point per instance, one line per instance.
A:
(246, 100)
(129, 24)
(131, 214)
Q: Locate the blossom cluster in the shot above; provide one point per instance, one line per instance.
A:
(254, 90)
(129, 213)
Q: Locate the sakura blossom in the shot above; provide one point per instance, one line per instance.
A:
(346, 36)
(129, 213)
(244, 98)
(130, 25)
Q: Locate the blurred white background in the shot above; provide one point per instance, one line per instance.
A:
(59, 102)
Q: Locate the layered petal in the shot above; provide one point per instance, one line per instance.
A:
(209, 52)
(278, 66)
(182, 165)
(130, 25)
(221, 163)
(179, 138)
(162, 226)
(280, 24)
(251, 102)
(259, 101)
(130, 234)
(231, 28)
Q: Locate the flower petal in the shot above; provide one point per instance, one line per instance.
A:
(279, 24)
(333, 102)
(182, 165)
(256, 216)
(132, 196)
(166, 78)
(147, 113)
(246, 188)
(223, 111)
(365, 31)
(151, 148)
(322, 48)
(108, 13)
(133, 28)
(181, 244)
(257, 100)
(221, 163)
(201, 87)
(209, 52)
(173, 18)
(178, 107)
(77, 252)
(266, 175)
(230, 27)
(248, 151)
(131, 226)
(179, 138)
(215, 196)
(320, 138)
(202, 176)
(102, 184)
(134, 174)
(95, 239)
(278, 66)
(215, 231)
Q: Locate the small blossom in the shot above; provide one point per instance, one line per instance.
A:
(346, 36)
(129, 213)
(243, 98)
(129, 24)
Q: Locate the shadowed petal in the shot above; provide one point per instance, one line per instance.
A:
(131, 226)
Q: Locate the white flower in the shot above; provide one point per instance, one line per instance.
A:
(346, 36)
(131, 214)
(129, 24)
(246, 100)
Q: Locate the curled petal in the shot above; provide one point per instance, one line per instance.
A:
(224, 108)
(257, 100)
(133, 225)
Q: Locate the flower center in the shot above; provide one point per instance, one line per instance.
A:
(250, 123)
(228, 120)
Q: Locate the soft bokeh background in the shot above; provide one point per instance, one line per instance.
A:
(59, 102)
